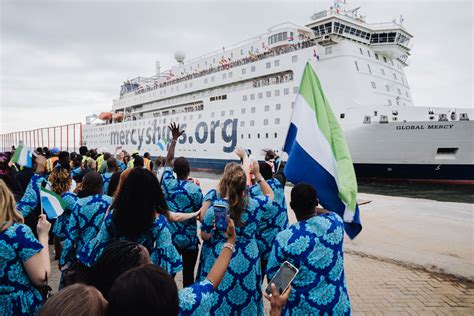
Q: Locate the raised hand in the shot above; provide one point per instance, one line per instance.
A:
(175, 132)
(43, 226)
(240, 152)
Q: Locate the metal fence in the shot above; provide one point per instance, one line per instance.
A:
(65, 137)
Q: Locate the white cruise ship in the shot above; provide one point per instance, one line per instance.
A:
(242, 95)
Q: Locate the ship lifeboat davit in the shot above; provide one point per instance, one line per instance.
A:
(118, 116)
(105, 116)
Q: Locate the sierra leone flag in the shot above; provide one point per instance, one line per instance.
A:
(52, 204)
(22, 156)
(318, 153)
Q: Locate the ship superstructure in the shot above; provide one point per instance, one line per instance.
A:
(242, 95)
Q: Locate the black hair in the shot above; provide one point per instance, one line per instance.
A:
(107, 156)
(138, 162)
(145, 290)
(113, 184)
(146, 155)
(39, 150)
(112, 165)
(91, 184)
(136, 204)
(266, 170)
(64, 160)
(118, 257)
(303, 198)
(181, 167)
(83, 150)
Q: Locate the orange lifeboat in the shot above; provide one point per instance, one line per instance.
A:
(105, 116)
(118, 116)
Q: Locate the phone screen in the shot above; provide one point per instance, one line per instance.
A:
(282, 278)
(220, 214)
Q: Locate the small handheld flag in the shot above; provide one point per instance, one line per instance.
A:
(318, 153)
(162, 144)
(52, 204)
(22, 156)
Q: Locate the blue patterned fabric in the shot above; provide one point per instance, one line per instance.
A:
(315, 247)
(32, 195)
(59, 227)
(157, 241)
(76, 172)
(206, 246)
(182, 196)
(106, 181)
(18, 296)
(196, 299)
(273, 221)
(240, 291)
(83, 225)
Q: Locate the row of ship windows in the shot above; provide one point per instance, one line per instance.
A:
(225, 75)
(376, 56)
(268, 94)
(382, 71)
(267, 135)
(387, 87)
(253, 109)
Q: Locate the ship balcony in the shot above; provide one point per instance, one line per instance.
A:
(392, 50)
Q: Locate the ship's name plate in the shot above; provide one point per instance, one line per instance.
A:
(422, 126)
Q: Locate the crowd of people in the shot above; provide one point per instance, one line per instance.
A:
(131, 224)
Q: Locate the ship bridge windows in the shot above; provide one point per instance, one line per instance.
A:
(380, 38)
(280, 37)
(340, 28)
(323, 29)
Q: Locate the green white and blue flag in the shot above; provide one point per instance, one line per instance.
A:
(52, 204)
(318, 153)
(22, 156)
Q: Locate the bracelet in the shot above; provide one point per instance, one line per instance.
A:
(229, 246)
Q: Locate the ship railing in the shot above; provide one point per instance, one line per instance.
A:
(247, 60)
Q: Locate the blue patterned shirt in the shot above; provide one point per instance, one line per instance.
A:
(273, 221)
(18, 296)
(84, 224)
(239, 292)
(59, 227)
(106, 180)
(157, 241)
(31, 198)
(182, 196)
(196, 299)
(315, 247)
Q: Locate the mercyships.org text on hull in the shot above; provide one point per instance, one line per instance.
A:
(243, 96)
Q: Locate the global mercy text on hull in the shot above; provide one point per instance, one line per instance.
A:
(242, 95)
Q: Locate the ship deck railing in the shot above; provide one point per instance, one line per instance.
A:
(247, 60)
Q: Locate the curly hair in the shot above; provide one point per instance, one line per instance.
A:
(60, 180)
(233, 186)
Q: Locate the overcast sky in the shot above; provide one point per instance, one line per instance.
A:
(63, 60)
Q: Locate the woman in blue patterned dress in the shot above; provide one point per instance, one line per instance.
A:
(314, 246)
(240, 291)
(162, 295)
(24, 261)
(85, 220)
(137, 214)
(60, 181)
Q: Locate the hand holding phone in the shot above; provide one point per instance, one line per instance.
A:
(221, 212)
(282, 278)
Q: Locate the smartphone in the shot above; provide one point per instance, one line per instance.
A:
(283, 278)
(221, 212)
